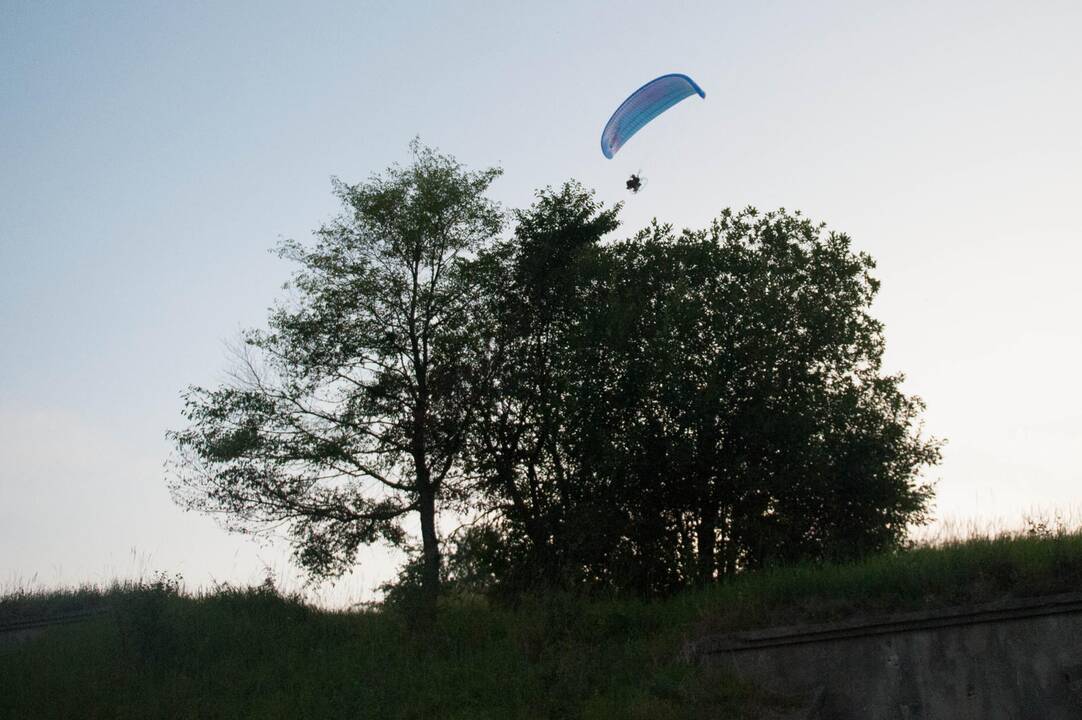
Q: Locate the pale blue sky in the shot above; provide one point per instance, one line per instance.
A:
(151, 153)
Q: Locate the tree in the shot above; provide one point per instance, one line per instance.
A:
(749, 420)
(348, 415)
(529, 296)
(714, 402)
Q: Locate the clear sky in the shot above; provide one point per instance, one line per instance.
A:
(151, 153)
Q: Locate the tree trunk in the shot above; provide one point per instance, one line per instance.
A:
(426, 492)
(706, 540)
(430, 546)
(532, 519)
(728, 548)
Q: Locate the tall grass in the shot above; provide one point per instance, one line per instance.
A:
(233, 653)
(253, 653)
(945, 573)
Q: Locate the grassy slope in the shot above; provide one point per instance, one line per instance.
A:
(251, 653)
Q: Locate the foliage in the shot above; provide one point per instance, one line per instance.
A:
(248, 652)
(680, 407)
(531, 300)
(633, 416)
(348, 414)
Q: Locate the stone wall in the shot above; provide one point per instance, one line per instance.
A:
(1019, 659)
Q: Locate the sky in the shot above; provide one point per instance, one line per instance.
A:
(152, 153)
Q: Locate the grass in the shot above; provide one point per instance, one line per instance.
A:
(241, 653)
(955, 572)
(237, 653)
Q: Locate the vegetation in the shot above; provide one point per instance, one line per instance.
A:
(252, 653)
(680, 407)
(238, 653)
(626, 417)
(348, 414)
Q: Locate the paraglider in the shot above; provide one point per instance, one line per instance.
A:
(642, 106)
(634, 183)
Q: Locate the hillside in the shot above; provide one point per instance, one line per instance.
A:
(158, 652)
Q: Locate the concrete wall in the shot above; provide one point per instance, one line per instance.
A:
(1020, 660)
(14, 633)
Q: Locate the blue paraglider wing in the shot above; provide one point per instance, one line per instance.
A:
(643, 105)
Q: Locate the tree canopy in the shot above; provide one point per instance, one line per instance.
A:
(348, 414)
(637, 415)
(691, 404)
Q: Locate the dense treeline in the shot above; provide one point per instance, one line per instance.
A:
(634, 414)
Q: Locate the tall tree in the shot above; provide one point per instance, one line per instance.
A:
(747, 418)
(531, 287)
(348, 415)
(682, 406)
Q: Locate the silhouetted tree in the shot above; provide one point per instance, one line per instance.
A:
(681, 406)
(746, 419)
(530, 298)
(349, 413)
(637, 416)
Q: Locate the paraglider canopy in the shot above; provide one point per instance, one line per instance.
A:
(642, 106)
